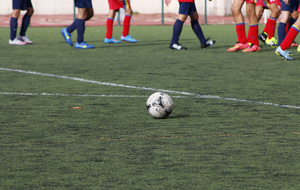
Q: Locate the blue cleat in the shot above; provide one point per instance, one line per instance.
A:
(283, 53)
(67, 36)
(111, 41)
(128, 38)
(83, 45)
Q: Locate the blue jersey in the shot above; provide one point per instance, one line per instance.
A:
(83, 3)
(21, 4)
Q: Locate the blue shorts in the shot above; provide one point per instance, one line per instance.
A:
(187, 8)
(83, 3)
(21, 4)
(293, 6)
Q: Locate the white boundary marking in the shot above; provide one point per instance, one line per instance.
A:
(142, 88)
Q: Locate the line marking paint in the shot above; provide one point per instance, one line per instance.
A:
(151, 89)
(162, 137)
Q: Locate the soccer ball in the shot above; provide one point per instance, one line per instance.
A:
(159, 105)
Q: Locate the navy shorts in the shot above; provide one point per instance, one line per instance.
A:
(83, 3)
(21, 4)
(187, 8)
(293, 6)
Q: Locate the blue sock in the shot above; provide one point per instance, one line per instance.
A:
(281, 32)
(25, 24)
(80, 25)
(72, 27)
(291, 22)
(176, 31)
(198, 31)
(13, 27)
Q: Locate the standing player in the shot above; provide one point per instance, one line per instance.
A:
(250, 43)
(114, 6)
(19, 5)
(85, 12)
(267, 36)
(188, 8)
(287, 7)
(282, 50)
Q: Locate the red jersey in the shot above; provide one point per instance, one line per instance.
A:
(186, 1)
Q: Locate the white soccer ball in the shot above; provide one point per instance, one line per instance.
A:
(159, 105)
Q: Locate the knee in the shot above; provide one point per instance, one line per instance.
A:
(235, 10)
(30, 11)
(129, 12)
(16, 13)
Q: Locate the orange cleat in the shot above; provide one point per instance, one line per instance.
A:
(252, 48)
(238, 46)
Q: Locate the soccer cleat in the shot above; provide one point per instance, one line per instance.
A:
(252, 48)
(283, 53)
(262, 37)
(294, 44)
(83, 45)
(177, 47)
(16, 41)
(271, 42)
(208, 43)
(67, 36)
(298, 49)
(128, 38)
(24, 39)
(238, 46)
(111, 41)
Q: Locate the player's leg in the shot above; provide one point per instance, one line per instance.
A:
(292, 20)
(84, 13)
(253, 28)
(177, 27)
(109, 28)
(17, 6)
(25, 23)
(259, 10)
(286, 11)
(126, 23)
(239, 26)
(271, 25)
(199, 33)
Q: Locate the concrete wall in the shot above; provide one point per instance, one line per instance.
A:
(61, 7)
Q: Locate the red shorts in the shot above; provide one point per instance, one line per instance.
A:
(263, 4)
(117, 4)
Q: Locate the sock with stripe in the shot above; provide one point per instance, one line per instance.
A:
(241, 33)
(109, 28)
(271, 24)
(253, 34)
(126, 25)
(290, 37)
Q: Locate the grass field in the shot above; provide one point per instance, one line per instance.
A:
(228, 129)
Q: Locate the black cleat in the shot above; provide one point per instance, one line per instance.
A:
(263, 37)
(177, 47)
(208, 43)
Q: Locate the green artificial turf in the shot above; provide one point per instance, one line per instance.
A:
(113, 143)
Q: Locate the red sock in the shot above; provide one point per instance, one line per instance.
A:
(253, 34)
(126, 25)
(271, 27)
(241, 33)
(109, 28)
(289, 38)
(266, 28)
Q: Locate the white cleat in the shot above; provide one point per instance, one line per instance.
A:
(24, 39)
(16, 42)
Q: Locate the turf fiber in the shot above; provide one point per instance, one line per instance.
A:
(113, 143)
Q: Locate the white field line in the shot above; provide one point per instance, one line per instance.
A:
(145, 88)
